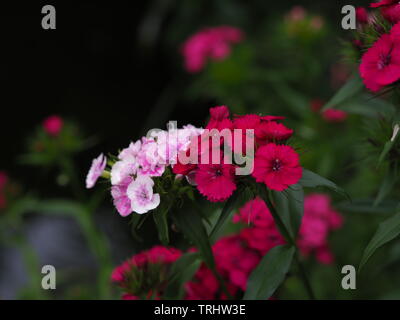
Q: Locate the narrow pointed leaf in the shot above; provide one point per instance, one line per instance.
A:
(270, 273)
(386, 186)
(387, 231)
(161, 221)
(313, 180)
(290, 206)
(193, 228)
(181, 272)
(225, 215)
(349, 90)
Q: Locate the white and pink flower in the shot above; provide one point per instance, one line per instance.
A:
(140, 192)
(95, 171)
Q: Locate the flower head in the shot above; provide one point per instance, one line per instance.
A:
(272, 131)
(277, 166)
(121, 200)
(53, 125)
(361, 15)
(140, 192)
(219, 118)
(144, 275)
(390, 9)
(216, 181)
(380, 65)
(95, 171)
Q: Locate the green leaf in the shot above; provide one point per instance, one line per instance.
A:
(387, 231)
(313, 180)
(290, 206)
(270, 273)
(181, 272)
(262, 192)
(349, 90)
(295, 100)
(369, 106)
(59, 207)
(387, 207)
(386, 186)
(389, 145)
(161, 221)
(225, 215)
(136, 222)
(193, 228)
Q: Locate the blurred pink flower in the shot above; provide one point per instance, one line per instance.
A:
(297, 13)
(53, 125)
(334, 115)
(210, 43)
(3, 179)
(318, 221)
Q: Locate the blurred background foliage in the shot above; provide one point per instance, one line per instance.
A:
(116, 71)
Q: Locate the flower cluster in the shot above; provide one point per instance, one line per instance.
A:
(133, 171)
(318, 221)
(234, 262)
(213, 160)
(144, 276)
(252, 136)
(211, 43)
(380, 64)
(301, 23)
(236, 256)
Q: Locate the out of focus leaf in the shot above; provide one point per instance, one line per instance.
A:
(59, 207)
(270, 273)
(297, 102)
(367, 206)
(368, 106)
(388, 146)
(290, 206)
(348, 91)
(387, 231)
(386, 186)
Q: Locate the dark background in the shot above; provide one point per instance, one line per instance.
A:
(114, 67)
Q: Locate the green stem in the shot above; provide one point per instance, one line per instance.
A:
(68, 165)
(222, 283)
(97, 242)
(33, 267)
(304, 277)
(100, 248)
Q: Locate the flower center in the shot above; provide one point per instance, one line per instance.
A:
(218, 172)
(384, 61)
(142, 194)
(276, 165)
